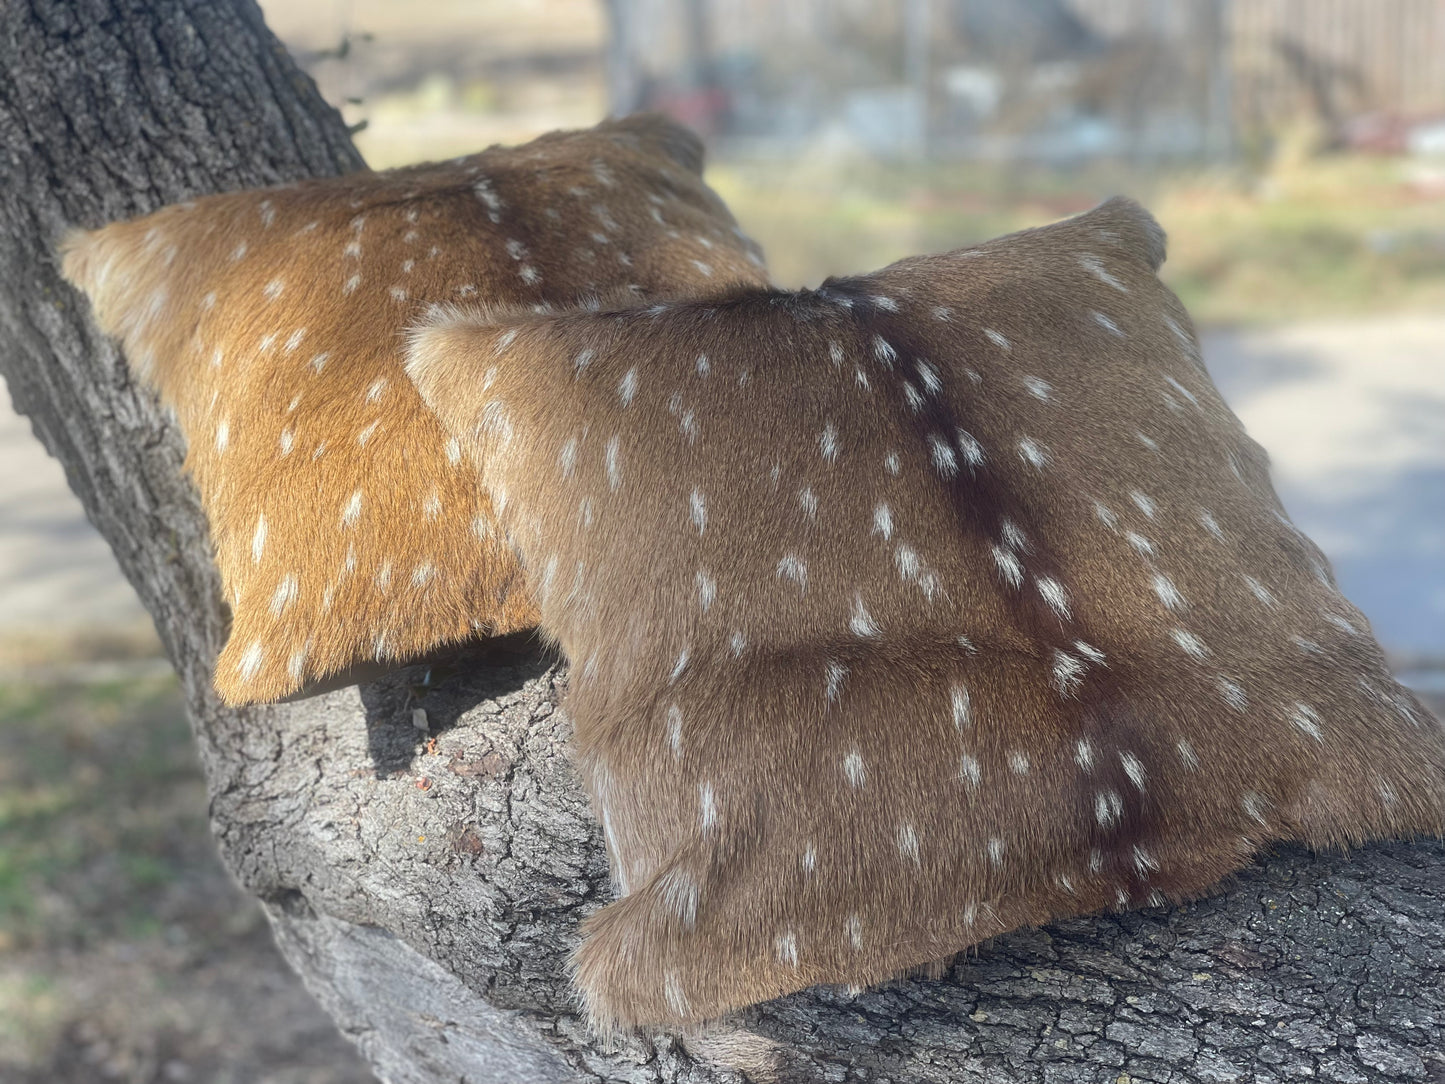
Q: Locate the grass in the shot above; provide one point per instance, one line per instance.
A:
(98, 787)
(1321, 237)
(125, 951)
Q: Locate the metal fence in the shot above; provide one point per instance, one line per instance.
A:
(1056, 79)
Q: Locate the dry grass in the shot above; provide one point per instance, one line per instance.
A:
(1322, 238)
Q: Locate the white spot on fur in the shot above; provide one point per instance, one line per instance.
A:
(679, 893)
(861, 622)
(1190, 644)
(258, 540)
(1168, 594)
(1108, 325)
(970, 771)
(672, 988)
(908, 843)
(959, 703)
(1254, 805)
(1108, 808)
(250, 662)
(1053, 593)
(1095, 266)
(791, 567)
(1134, 769)
(883, 521)
(1039, 389)
(972, 450)
(1068, 673)
(1008, 566)
(1182, 390)
(352, 510)
(706, 590)
(828, 442)
(1233, 694)
(1307, 720)
(613, 458)
(1033, 453)
(707, 807)
(884, 352)
(1259, 590)
(1210, 524)
(284, 595)
(698, 505)
(945, 461)
(1187, 756)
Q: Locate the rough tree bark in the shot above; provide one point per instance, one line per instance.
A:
(429, 896)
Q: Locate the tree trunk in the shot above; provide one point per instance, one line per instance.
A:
(429, 893)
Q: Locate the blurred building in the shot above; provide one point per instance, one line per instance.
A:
(1036, 79)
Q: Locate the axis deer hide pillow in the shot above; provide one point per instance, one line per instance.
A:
(910, 610)
(347, 525)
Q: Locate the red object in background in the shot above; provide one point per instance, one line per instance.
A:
(1389, 133)
(703, 109)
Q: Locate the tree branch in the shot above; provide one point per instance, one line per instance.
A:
(430, 895)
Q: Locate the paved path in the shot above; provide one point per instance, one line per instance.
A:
(1353, 414)
(56, 574)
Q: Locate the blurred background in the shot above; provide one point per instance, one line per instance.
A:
(1294, 150)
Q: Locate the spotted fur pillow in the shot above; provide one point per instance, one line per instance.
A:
(347, 526)
(933, 603)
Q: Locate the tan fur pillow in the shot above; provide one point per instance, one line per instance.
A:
(936, 602)
(347, 526)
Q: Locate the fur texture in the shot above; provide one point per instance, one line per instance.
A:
(933, 603)
(347, 528)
